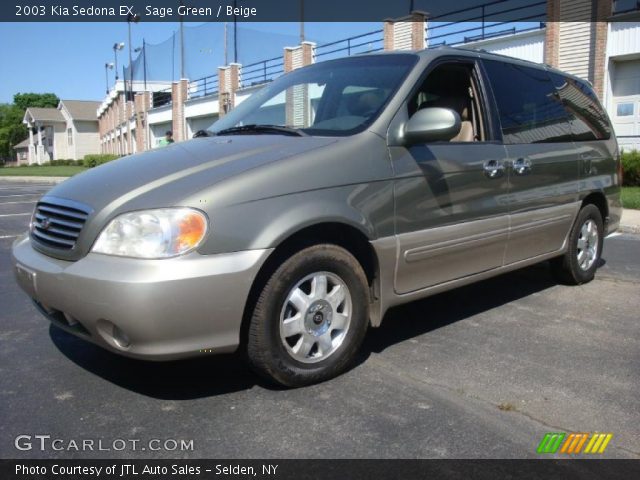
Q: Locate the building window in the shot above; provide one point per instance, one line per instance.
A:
(624, 109)
(70, 136)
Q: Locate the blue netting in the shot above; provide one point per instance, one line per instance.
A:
(204, 51)
(157, 62)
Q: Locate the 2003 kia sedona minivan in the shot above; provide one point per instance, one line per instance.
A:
(332, 194)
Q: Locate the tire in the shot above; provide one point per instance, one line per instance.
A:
(296, 307)
(569, 269)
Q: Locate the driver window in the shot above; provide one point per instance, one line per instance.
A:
(452, 86)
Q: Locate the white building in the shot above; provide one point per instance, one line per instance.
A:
(69, 131)
(601, 44)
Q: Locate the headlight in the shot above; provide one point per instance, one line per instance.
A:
(160, 233)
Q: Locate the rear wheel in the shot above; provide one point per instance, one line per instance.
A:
(310, 317)
(580, 263)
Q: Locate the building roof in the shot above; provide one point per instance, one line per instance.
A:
(84, 110)
(44, 114)
(23, 144)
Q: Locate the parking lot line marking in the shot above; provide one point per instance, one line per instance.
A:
(15, 203)
(31, 187)
(8, 236)
(14, 214)
(20, 195)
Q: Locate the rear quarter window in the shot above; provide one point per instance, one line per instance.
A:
(589, 120)
(529, 106)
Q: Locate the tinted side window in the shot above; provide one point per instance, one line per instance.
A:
(588, 119)
(530, 108)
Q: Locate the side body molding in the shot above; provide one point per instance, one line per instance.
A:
(547, 229)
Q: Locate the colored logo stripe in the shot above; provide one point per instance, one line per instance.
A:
(573, 442)
(551, 442)
(598, 443)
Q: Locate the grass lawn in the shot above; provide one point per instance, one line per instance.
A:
(46, 171)
(631, 197)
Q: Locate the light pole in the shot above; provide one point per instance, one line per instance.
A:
(131, 18)
(107, 67)
(116, 48)
(301, 21)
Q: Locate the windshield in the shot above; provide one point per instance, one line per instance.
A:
(338, 97)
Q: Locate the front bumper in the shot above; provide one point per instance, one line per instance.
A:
(150, 309)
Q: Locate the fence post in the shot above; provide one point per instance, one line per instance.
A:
(141, 104)
(297, 98)
(552, 33)
(229, 80)
(178, 98)
(406, 33)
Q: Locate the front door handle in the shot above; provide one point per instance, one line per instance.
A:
(522, 166)
(493, 168)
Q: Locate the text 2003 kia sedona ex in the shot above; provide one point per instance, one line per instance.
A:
(332, 194)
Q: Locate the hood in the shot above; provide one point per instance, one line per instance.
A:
(193, 165)
(166, 176)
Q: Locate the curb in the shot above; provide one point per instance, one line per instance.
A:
(51, 180)
(629, 229)
(630, 221)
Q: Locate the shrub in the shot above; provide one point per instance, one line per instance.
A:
(631, 168)
(61, 162)
(95, 159)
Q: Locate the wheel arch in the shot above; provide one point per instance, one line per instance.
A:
(598, 199)
(344, 235)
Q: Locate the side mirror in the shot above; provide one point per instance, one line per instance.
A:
(431, 124)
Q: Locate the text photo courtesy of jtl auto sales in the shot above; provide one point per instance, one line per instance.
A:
(317, 239)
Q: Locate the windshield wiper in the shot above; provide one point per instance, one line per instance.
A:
(262, 128)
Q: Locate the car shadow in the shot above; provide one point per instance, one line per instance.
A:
(192, 378)
(423, 316)
(217, 375)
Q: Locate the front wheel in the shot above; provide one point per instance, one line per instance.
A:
(310, 317)
(580, 263)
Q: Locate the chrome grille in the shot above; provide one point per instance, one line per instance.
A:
(58, 223)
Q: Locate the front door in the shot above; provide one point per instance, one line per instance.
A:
(451, 209)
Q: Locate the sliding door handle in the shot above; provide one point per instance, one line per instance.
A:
(522, 166)
(493, 168)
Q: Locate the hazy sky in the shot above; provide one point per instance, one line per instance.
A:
(68, 58)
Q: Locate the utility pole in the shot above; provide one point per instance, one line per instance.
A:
(116, 47)
(181, 47)
(107, 67)
(131, 18)
(235, 33)
(144, 62)
(301, 21)
(226, 53)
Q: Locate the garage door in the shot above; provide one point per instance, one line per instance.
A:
(201, 123)
(626, 103)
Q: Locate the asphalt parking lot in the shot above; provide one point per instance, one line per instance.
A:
(482, 371)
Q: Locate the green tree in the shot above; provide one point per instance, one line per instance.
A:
(12, 130)
(42, 100)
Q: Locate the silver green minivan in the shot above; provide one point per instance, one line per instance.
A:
(332, 194)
